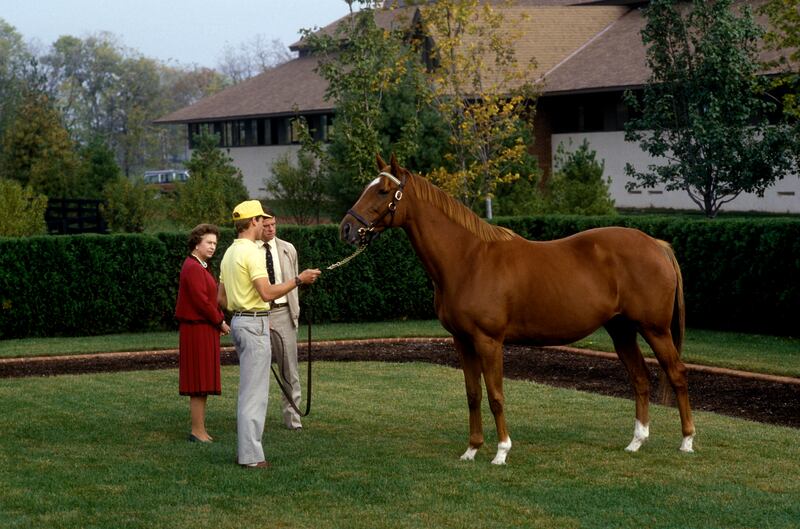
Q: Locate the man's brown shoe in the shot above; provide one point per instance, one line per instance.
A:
(260, 464)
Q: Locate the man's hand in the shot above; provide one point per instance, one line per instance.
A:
(309, 275)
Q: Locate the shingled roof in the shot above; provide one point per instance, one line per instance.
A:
(291, 85)
(576, 48)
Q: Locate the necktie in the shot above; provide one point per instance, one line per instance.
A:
(270, 266)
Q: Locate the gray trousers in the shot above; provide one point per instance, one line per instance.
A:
(251, 339)
(284, 351)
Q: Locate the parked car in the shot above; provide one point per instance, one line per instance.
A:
(166, 179)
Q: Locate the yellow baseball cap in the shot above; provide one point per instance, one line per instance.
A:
(249, 209)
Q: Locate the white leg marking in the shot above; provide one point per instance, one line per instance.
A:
(469, 455)
(640, 434)
(686, 444)
(502, 452)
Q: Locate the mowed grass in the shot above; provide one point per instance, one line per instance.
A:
(380, 450)
(750, 352)
(169, 339)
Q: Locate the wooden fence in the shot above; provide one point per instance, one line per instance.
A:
(74, 215)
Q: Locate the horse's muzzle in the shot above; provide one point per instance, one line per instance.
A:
(348, 231)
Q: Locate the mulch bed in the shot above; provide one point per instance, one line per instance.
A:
(768, 401)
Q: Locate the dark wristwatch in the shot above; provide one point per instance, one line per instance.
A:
(297, 281)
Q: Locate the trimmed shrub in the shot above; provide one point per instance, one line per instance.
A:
(21, 210)
(81, 285)
(739, 274)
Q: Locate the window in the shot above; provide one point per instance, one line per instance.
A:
(262, 131)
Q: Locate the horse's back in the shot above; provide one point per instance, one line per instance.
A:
(559, 291)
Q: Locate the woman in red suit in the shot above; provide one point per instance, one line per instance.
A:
(201, 323)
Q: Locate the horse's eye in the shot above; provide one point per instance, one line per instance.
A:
(383, 192)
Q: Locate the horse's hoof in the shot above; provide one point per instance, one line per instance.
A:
(635, 445)
(686, 444)
(502, 452)
(469, 455)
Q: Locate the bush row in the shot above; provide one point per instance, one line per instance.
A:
(739, 274)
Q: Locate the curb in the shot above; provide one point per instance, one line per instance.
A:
(168, 354)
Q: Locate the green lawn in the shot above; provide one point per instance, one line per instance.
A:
(751, 352)
(380, 450)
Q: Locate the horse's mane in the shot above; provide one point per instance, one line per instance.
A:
(458, 212)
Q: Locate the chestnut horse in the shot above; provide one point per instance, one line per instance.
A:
(494, 287)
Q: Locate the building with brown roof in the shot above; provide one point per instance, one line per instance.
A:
(586, 53)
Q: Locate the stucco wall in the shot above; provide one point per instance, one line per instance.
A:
(612, 147)
(255, 164)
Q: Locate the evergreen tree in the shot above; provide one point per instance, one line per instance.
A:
(37, 149)
(578, 186)
(98, 168)
(300, 188)
(214, 187)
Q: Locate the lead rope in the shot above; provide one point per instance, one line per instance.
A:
(348, 258)
(281, 379)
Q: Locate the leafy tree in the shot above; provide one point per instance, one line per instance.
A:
(578, 186)
(181, 87)
(128, 205)
(784, 36)
(84, 73)
(704, 108)
(253, 57)
(300, 188)
(369, 70)
(17, 71)
(214, 187)
(37, 149)
(109, 91)
(98, 168)
(481, 92)
(21, 210)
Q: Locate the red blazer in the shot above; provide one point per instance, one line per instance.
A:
(197, 295)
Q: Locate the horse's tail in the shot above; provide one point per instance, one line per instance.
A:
(678, 324)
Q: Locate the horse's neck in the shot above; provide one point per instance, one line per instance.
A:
(440, 243)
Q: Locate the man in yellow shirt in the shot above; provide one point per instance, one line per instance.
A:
(245, 290)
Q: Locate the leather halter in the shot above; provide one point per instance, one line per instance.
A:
(369, 227)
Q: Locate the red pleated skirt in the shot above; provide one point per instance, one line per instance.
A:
(199, 360)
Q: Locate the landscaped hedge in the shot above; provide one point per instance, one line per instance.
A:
(739, 274)
(92, 284)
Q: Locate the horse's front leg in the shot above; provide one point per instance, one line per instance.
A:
(490, 352)
(470, 364)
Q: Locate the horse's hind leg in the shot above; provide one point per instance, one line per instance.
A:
(669, 360)
(470, 364)
(491, 355)
(623, 333)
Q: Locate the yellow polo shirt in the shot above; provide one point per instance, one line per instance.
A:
(242, 263)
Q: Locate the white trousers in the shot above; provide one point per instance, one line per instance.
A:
(251, 339)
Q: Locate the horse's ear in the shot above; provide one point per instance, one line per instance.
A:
(379, 161)
(395, 166)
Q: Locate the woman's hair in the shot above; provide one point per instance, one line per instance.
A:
(200, 231)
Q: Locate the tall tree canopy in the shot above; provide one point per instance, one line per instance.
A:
(374, 80)
(704, 109)
(37, 150)
(483, 95)
(784, 36)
